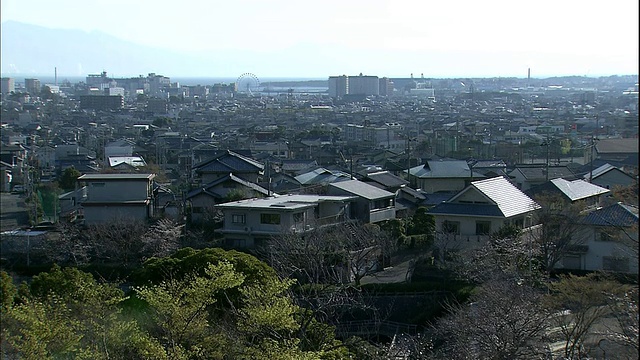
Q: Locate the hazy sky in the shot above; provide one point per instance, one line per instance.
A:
(481, 37)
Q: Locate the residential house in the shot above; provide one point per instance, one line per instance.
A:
(385, 180)
(468, 218)
(70, 204)
(372, 205)
(202, 200)
(226, 163)
(570, 191)
(5, 177)
(117, 196)
(489, 168)
(526, 177)
(250, 223)
(610, 177)
(620, 152)
(126, 164)
(322, 176)
(442, 175)
(606, 240)
(295, 167)
(16, 156)
(122, 147)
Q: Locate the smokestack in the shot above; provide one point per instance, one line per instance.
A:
(528, 76)
(55, 75)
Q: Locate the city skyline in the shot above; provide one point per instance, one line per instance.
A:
(283, 38)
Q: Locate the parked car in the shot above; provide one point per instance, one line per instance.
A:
(18, 189)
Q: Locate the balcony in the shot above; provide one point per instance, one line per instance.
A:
(382, 214)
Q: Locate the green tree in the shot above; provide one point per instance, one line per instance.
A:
(69, 178)
(8, 291)
(68, 314)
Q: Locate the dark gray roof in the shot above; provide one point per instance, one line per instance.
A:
(387, 179)
(116, 177)
(539, 173)
(207, 188)
(613, 215)
(229, 162)
(603, 170)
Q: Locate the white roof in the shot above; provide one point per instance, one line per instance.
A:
(578, 189)
(510, 200)
(283, 202)
(134, 161)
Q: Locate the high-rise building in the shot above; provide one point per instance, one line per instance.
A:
(338, 86)
(32, 86)
(8, 85)
(364, 85)
(386, 87)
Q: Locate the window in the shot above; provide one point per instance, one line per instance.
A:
(451, 227)
(483, 227)
(238, 218)
(614, 263)
(519, 222)
(605, 236)
(273, 219)
(298, 217)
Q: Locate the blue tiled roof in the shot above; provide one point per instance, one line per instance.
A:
(613, 215)
(467, 209)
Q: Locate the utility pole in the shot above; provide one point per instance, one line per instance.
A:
(546, 143)
(592, 146)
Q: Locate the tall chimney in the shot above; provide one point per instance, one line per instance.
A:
(55, 75)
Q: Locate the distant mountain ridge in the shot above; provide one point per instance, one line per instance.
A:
(30, 49)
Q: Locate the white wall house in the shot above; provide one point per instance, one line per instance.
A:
(608, 240)
(250, 223)
(482, 208)
(372, 205)
(442, 175)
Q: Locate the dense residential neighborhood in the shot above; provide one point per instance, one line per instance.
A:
(340, 182)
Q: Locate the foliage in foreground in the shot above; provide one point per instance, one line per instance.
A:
(211, 312)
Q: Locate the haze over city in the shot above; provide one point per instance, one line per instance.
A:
(291, 39)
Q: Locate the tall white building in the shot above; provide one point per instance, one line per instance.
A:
(338, 86)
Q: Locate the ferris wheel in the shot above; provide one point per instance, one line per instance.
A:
(247, 83)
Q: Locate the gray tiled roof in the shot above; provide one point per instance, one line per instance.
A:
(362, 189)
(442, 169)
